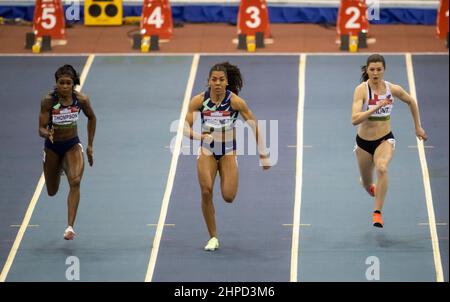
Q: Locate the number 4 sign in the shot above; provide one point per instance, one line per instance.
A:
(49, 19)
(156, 19)
(253, 17)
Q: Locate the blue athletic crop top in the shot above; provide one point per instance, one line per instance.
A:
(64, 116)
(218, 118)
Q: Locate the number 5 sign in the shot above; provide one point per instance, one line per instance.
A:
(352, 17)
(49, 19)
(156, 19)
(253, 17)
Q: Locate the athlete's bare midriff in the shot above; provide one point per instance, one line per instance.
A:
(62, 134)
(222, 136)
(373, 130)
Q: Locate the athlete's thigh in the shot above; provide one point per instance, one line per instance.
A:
(52, 168)
(206, 170)
(365, 161)
(74, 163)
(229, 174)
(383, 153)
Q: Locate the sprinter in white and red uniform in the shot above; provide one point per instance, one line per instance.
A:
(63, 151)
(373, 102)
(219, 107)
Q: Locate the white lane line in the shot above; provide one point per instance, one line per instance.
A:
(426, 147)
(298, 171)
(37, 193)
(426, 180)
(172, 171)
(295, 146)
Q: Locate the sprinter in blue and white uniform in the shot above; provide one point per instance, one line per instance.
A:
(63, 151)
(219, 107)
(373, 102)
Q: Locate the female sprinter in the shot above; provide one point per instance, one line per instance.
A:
(372, 107)
(219, 107)
(63, 151)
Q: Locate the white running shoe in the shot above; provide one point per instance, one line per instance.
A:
(213, 244)
(69, 233)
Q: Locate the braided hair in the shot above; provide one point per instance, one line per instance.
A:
(232, 73)
(70, 71)
(375, 58)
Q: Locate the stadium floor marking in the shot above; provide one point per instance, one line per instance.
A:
(437, 223)
(426, 179)
(301, 224)
(298, 169)
(295, 146)
(426, 147)
(29, 226)
(172, 171)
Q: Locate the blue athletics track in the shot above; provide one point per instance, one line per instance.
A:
(305, 219)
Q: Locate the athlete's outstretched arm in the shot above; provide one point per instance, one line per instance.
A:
(91, 125)
(44, 117)
(194, 106)
(240, 105)
(402, 95)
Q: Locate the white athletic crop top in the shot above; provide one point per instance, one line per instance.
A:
(383, 113)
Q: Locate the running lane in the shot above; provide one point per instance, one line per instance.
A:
(341, 244)
(121, 194)
(255, 246)
(24, 81)
(431, 78)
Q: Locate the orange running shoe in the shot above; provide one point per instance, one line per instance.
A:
(372, 190)
(377, 220)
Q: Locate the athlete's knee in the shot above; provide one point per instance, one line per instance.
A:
(228, 197)
(207, 194)
(382, 168)
(74, 181)
(52, 192)
(52, 189)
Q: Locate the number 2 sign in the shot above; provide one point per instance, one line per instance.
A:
(352, 17)
(253, 17)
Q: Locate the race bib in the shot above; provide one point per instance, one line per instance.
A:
(217, 119)
(65, 116)
(384, 112)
